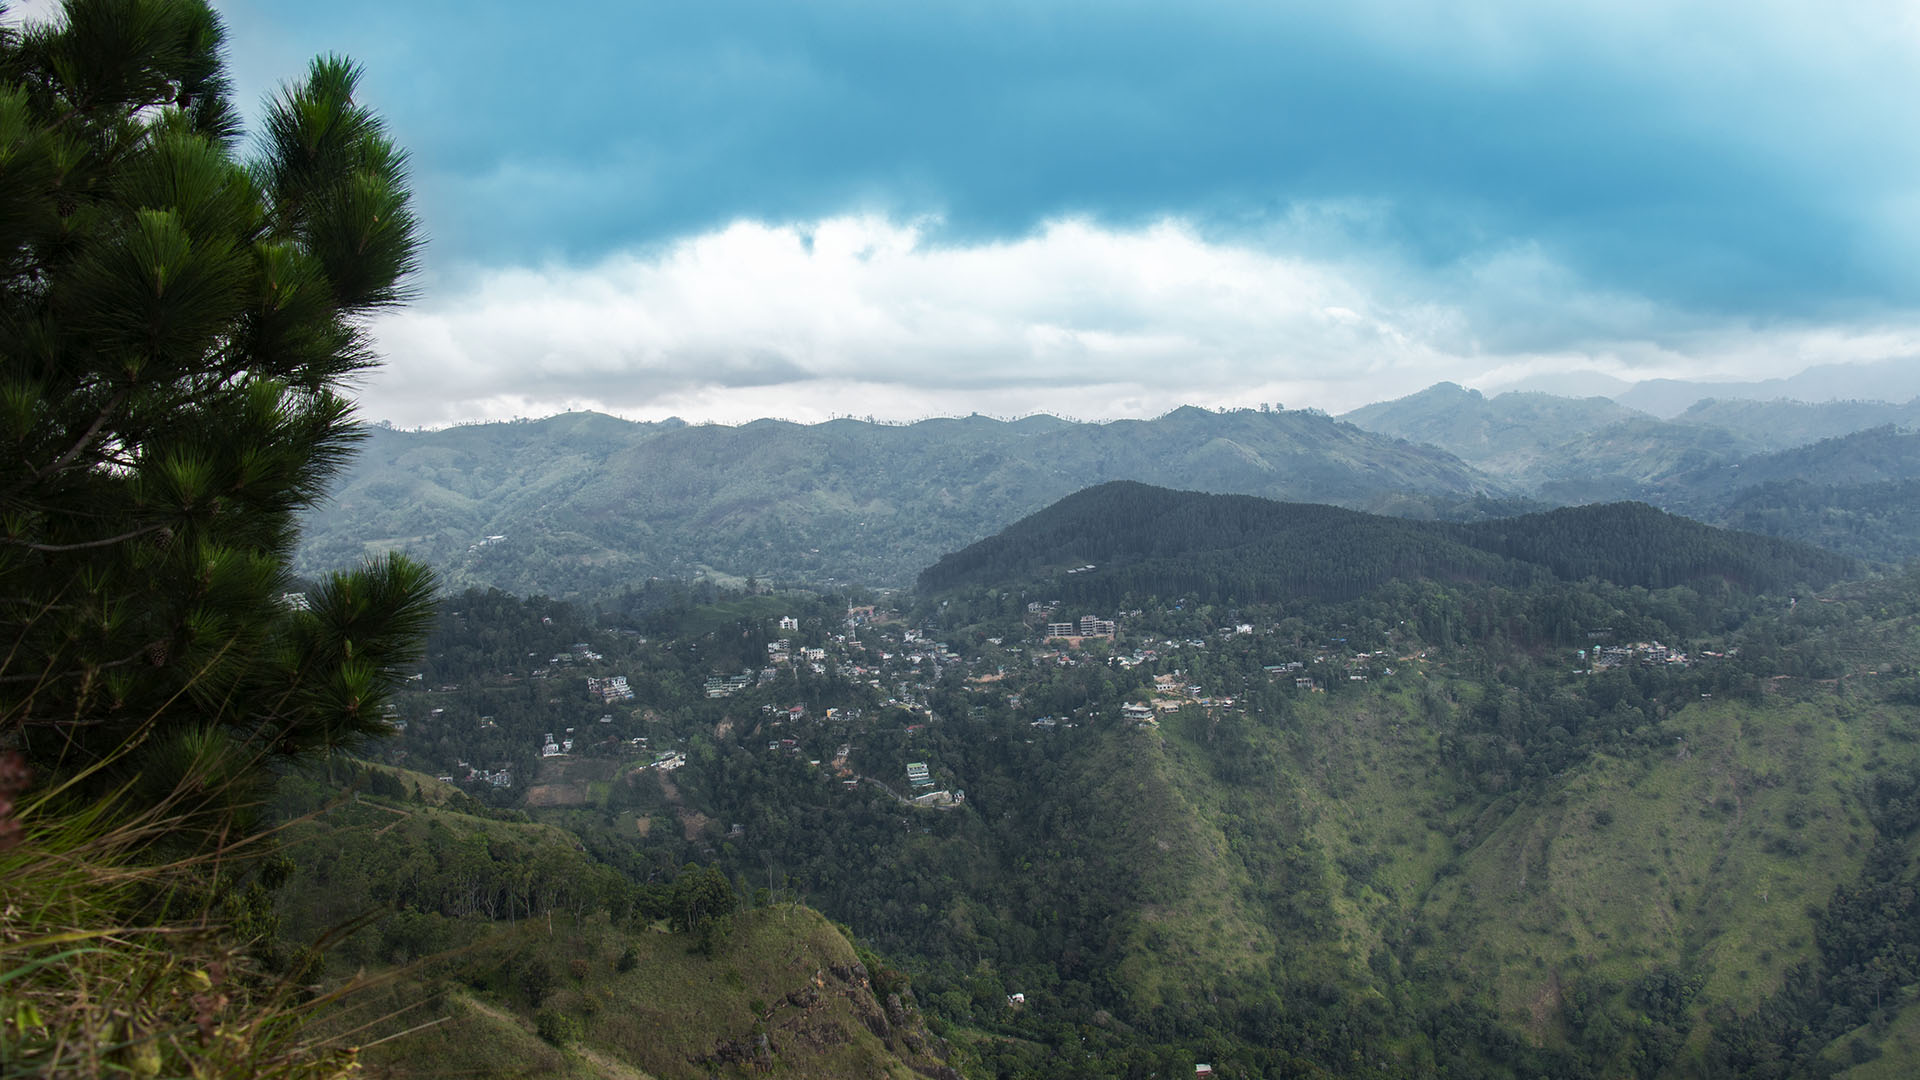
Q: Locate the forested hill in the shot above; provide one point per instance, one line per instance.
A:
(1127, 539)
(1635, 544)
(584, 502)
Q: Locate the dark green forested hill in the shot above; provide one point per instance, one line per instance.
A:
(1635, 544)
(583, 502)
(1144, 540)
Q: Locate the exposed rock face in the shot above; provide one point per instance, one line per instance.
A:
(826, 1011)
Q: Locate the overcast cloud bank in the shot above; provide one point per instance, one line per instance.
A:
(867, 316)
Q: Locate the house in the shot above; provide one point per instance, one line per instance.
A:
(550, 748)
(788, 622)
(1059, 629)
(918, 774)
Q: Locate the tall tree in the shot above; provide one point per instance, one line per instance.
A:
(177, 325)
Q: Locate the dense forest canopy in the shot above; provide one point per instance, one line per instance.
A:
(1115, 540)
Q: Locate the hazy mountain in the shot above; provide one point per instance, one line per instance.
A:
(586, 501)
(1781, 424)
(1508, 435)
(1560, 449)
(1834, 473)
(1887, 380)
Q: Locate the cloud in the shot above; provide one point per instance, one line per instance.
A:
(1736, 157)
(870, 315)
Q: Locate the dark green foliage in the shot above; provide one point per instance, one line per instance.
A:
(702, 903)
(555, 1027)
(1634, 544)
(177, 325)
(1144, 541)
(1868, 940)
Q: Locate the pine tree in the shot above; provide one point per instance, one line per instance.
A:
(177, 325)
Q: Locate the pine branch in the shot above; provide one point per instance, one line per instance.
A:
(86, 545)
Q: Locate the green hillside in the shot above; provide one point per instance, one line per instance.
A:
(501, 948)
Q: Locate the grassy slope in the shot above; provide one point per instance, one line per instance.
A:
(785, 972)
(1704, 857)
(1693, 869)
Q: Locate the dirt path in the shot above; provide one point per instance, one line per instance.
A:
(605, 1066)
(608, 1067)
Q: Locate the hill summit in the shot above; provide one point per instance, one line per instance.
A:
(1129, 538)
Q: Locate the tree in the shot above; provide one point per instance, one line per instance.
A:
(702, 903)
(176, 327)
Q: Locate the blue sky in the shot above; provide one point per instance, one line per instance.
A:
(737, 207)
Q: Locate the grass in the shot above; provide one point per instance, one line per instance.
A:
(112, 963)
(1703, 857)
(784, 973)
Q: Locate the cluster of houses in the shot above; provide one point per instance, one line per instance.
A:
(499, 778)
(1646, 653)
(781, 652)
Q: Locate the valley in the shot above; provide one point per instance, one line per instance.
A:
(1474, 817)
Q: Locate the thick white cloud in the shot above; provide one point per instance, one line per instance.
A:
(863, 315)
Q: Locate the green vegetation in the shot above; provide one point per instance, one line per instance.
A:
(1581, 819)
(506, 950)
(177, 325)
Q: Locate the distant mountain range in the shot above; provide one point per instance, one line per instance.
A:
(1841, 474)
(1884, 380)
(583, 502)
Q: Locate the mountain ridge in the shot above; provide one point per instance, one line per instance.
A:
(587, 504)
